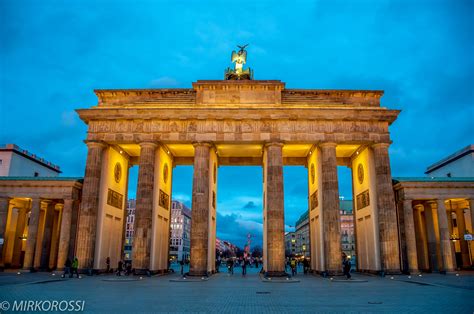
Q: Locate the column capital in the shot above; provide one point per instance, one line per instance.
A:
(327, 144)
(380, 145)
(208, 144)
(268, 144)
(68, 201)
(95, 144)
(148, 145)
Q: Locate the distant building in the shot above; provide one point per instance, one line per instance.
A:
(459, 164)
(226, 248)
(301, 235)
(18, 162)
(290, 244)
(180, 245)
(347, 227)
(129, 231)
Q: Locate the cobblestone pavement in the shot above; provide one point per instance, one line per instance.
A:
(224, 293)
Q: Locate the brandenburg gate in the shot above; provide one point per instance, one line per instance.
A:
(236, 121)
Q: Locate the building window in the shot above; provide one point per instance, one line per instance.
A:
(36, 174)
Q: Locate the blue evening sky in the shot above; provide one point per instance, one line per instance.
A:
(54, 53)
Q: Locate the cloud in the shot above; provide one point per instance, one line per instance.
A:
(235, 229)
(250, 205)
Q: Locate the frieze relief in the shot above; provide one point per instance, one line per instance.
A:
(243, 126)
(245, 130)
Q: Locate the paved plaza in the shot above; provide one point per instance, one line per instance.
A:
(224, 293)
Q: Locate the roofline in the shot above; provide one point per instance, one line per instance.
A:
(78, 179)
(31, 158)
(453, 157)
(431, 179)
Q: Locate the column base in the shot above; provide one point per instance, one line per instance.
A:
(141, 272)
(87, 271)
(197, 274)
(391, 272)
(276, 274)
(159, 271)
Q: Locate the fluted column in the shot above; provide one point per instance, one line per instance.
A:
(447, 252)
(32, 234)
(461, 222)
(42, 258)
(87, 225)
(420, 235)
(65, 233)
(410, 238)
(471, 207)
(18, 239)
(432, 233)
(387, 214)
(144, 208)
(275, 210)
(4, 204)
(200, 210)
(331, 209)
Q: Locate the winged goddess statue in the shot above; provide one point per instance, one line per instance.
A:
(239, 58)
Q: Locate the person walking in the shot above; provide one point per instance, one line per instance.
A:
(120, 268)
(67, 268)
(74, 266)
(346, 267)
(107, 262)
(305, 265)
(244, 267)
(181, 263)
(293, 267)
(230, 266)
(218, 263)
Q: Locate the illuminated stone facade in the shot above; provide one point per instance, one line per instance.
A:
(38, 221)
(242, 122)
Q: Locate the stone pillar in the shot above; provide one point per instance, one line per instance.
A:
(420, 235)
(447, 252)
(471, 206)
(144, 208)
(410, 238)
(4, 205)
(32, 234)
(275, 236)
(462, 230)
(432, 233)
(387, 213)
(331, 209)
(18, 242)
(87, 225)
(42, 260)
(64, 234)
(200, 210)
